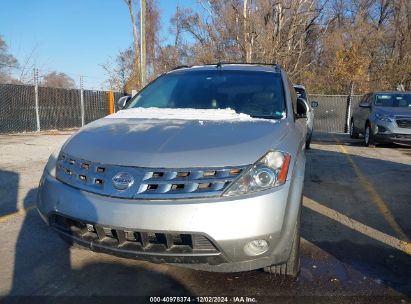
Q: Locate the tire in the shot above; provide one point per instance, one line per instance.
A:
(292, 267)
(308, 142)
(353, 133)
(368, 136)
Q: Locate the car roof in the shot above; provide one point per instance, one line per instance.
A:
(257, 67)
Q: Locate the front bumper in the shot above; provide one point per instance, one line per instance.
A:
(227, 223)
(395, 138)
(390, 132)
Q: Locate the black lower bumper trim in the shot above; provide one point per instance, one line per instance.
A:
(216, 259)
(400, 138)
(156, 247)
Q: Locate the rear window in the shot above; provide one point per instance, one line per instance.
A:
(256, 93)
(393, 100)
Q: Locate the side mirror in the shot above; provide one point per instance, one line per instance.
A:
(122, 101)
(302, 108)
(364, 104)
(314, 104)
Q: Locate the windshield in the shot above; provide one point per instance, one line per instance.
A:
(401, 100)
(258, 94)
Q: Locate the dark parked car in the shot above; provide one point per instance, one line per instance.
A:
(383, 117)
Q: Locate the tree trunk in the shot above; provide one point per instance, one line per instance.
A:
(136, 66)
(247, 45)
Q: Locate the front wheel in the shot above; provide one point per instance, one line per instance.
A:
(292, 267)
(308, 142)
(368, 136)
(353, 134)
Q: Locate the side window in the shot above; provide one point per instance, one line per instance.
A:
(364, 99)
(293, 94)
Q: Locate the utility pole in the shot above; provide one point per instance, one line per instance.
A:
(36, 96)
(82, 100)
(143, 42)
(348, 109)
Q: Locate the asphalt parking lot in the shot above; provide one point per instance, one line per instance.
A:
(355, 233)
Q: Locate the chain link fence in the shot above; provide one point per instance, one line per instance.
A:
(94, 108)
(60, 109)
(25, 108)
(332, 112)
(17, 108)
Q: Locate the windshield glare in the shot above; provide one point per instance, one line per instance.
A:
(258, 94)
(393, 100)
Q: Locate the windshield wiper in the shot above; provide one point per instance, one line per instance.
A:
(267, 117)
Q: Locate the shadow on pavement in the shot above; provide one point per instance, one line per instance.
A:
(374, 260)
(331, 181)
(9, 182)
(42, 266)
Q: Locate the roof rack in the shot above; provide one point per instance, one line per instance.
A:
(220, 64)
(181, 67)
(276, 66)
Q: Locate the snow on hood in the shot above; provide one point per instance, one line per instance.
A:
(176, 138)
(183, 114)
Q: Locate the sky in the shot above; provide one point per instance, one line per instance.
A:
(74, 36)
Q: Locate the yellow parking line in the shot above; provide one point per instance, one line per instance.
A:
(375, 197)
(10, 216)
(358, 226)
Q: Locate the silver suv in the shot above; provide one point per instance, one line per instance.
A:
(204, 168)
(383, 117)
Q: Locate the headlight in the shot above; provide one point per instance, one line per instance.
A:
(268, 172)
(52, 162)
(384, 117)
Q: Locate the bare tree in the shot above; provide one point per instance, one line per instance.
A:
(120, 70)
(249, 31)
(325, 44)
(58, 80)
(25, 69)
(134, 82)
(7, 62)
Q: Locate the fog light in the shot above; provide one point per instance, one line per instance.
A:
(256, 247)
(381, 129)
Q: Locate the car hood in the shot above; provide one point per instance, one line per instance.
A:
(394, 111)
(163, 143)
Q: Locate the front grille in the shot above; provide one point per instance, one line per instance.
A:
(403, 136)
(149, 183)
(134, 241)
(404, 123)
